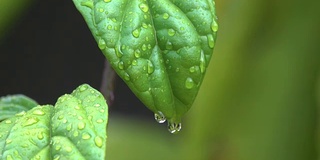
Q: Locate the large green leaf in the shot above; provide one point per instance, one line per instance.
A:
(12, 104)
(75, 128)
(160, 48)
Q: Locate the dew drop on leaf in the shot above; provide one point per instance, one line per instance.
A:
(8, 121)
(38, 112)
(150, 67)
(81, 125)
(40, 136)
(98, 141)
(136, 33)
(214, 26)
(86, 136)
(210, 40)
(102, 44)
(189, 83)
(165, 16)
(120, 65)
(202, 62)
(144, 7)
(30, 121)
(99, 121)
(159, 117)
(137, 53)
(107, 1)
(171, 32)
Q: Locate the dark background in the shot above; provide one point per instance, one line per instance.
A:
(50, 51)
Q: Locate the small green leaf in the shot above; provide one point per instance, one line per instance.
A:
(13, 104)
(160, 48)
(75, 128)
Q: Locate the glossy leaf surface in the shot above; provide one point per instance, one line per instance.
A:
(75, 128)
(12, 104)
(160, 48)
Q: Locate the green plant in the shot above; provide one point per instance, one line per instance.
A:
(160, 48)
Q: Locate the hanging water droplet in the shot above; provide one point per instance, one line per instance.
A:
(214, 26)
(210, 40)
(174, 127)
(165, 16)
(136, 33)
(169, 45)
(81, 125)
(150, 67)
(30, 121)
(38, 112)
(120, 65)
(98, 141)
(102, 44)
(159, 117)
(202, 62)
(86, 136)
(144, 7)
(189, 83)
(171, 32)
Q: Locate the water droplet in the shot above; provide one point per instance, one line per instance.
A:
(107, 1)
(149, 46)
(210, 40)
(144, 7)
(189, 83)
(165, 16)
(109, 27)
(118, 53)
(101, 10)
(38, 112)
(102, 44)
(214, 26)
(81, 125)
(83, 88)
(8, 121)
(192, 69)
(87, 4)
(126, 76)
(68, 149)
(60, 117)
(136, 33)
(114, 20)
(56, 157)
(9, 157)
(174, 127)
(150, 67)
(69, 127)
(86, 136)
(169, 45)
(171, 32)
(98, 141)
(21, 114)
(137, 53)
(97, 105)
(159, 117)
(144, 47)
(120, 65)
(134, 62)
(8, 141)
(182, 28)
(30, 121)
(177, 69)
(40, 136)
(167, 61)
(64, 121)
(75, 133)
(100, 121)
(202, 62)
(58, 147)
(77, 107)
(102, 110)
(144, 25)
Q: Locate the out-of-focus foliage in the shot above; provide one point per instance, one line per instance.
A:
(10, 11)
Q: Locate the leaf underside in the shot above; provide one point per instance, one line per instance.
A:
(64, 131)
(160, 48)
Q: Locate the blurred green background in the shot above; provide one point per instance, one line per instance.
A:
(259, 99)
